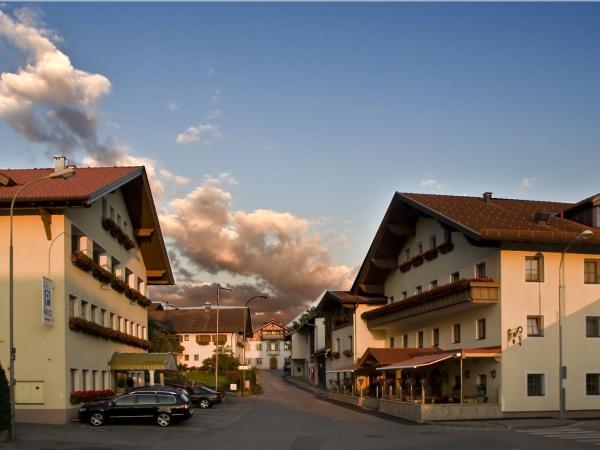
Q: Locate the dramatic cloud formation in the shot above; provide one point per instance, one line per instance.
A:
(277, 249)
(48, 100)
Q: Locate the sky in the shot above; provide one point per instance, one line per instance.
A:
(276, 134)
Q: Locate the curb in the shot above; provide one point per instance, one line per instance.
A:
(483, 425)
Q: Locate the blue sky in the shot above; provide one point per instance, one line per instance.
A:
(327, 109)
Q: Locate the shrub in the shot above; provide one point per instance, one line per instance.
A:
(4, 401)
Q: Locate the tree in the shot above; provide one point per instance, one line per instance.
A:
(303, 318)
(4, 401)
(227, 360)
(163, 340)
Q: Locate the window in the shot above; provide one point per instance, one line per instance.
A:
(259, 361)
(407, 253)
(119, 220)
(196, 357)
(84, 310)
(351, 343)
(203, 339)
(74, 379)
(338, 345)
(455, 276)
(534, 268)
(404, 295)
(592, 326)
(447, 235)
(186, 357)
(405, 341)
(432, 242)
(480, 270)
(94, 313)
(147, 399)
(456, 333)
(392, 342)
(418, 290)
(433, 284)
(535, 385)
(72, 306)
(482, 383)
(222, 339)
(420, 339)
(166, 399)
(84, 380)
(94, 380)
(535, 326)
(259, 346)
(420, 247)
(435, 337)
(591, 269)
(112, 213)
(112, 321)
(126, 400)
(186, 337)
(120, 323)
(592, 383)
(105, 380)
(481, 329)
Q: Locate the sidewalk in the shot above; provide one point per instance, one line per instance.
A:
(496, 424)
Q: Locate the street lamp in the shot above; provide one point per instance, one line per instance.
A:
(264, 297)
(60, 173)
(219, 289)
(561, 305)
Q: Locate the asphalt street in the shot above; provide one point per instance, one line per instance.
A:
(288, 418)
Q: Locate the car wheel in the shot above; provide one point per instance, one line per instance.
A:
(163, 420)
(97, 419)
(204, 404)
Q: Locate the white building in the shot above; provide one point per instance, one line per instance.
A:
(267, 349)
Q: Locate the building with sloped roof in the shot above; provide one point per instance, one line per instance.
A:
(480, 280)
(86, 248)
(197, 329)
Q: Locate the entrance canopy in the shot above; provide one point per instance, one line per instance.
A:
(142, 361)
(420, 361)
(350, 368)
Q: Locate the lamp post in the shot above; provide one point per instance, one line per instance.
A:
(561, 305)
(264, 297)
(219, 289)
(60, 173)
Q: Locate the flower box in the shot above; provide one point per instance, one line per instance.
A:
(405, 266)
(335, 355)
(347, 353)
(90, 396)
(430, 254)
(102, 275)
(95, 329)
(445, 247)
(118, 285)
(82, 261)
(116, 232)
(417, 260)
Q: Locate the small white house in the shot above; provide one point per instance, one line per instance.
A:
(267, 348)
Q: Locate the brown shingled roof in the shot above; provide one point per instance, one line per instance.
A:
(231, 320)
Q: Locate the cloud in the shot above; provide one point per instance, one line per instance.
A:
(47, 99)
(204, 132)
(173, 107)
(170, 176)
(210, 71)
(431, 183)
(278, 250)
(527, 183)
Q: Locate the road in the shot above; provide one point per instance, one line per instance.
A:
(288, 418)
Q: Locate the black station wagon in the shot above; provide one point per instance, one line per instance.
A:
(162, 407)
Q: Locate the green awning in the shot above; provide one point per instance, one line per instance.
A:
(143, 361)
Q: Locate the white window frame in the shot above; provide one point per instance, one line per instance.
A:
(585, 374)
(477, 337)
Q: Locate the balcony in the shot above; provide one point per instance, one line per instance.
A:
(457, 296)
(273, 352)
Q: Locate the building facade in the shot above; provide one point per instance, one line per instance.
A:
(267, 348)
(477, 279)
(197, 330)
(85, 250)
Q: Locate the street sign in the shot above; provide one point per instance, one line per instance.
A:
(47, 302)
(241, 367)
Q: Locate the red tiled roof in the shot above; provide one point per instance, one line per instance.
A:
(83, 186)
(385, 356)
(348, 298)
(502, 219)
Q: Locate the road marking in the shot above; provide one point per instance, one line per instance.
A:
(571, 434)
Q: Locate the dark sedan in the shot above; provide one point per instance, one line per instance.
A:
(204, 397)
(162, 407)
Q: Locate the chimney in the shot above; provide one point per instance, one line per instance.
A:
(60, 163)
(487, 197)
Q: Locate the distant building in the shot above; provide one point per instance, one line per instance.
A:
(266, 349)
(85, 250)
(197, 329)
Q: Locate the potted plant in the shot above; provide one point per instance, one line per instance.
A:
(335, 355)
(430, 254)
(82, 261)
(405, 266)
(347, 353)
(445, 247)
(417, 260)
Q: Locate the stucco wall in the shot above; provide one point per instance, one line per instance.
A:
(192, 348)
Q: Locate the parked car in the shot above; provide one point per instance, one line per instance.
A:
(203, 396)
(162, 406)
